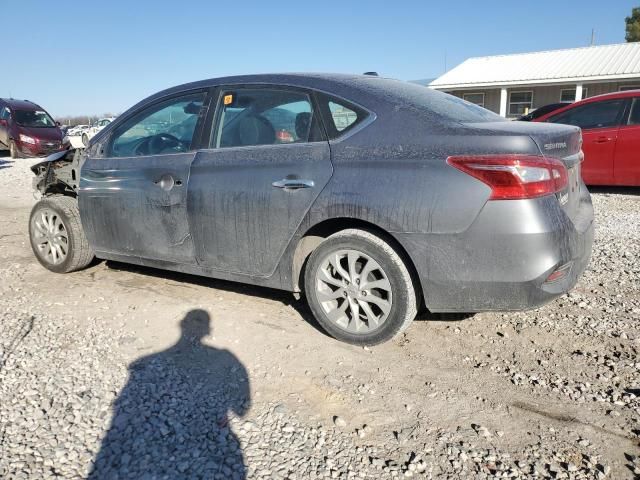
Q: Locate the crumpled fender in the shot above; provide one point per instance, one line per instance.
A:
(51, 158)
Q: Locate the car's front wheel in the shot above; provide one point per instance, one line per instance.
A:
(359, 289)
(56, 235)
(85, 139)
(13, 150)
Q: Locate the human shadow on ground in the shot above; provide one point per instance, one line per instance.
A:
(171, 418)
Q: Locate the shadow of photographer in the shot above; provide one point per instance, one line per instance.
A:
(171, 418)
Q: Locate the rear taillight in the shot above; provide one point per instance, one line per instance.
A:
(514, 176)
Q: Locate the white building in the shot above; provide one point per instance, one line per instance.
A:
(511, 85)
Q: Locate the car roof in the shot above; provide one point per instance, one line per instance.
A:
(318, 81)
(596, 98)
(19, 104)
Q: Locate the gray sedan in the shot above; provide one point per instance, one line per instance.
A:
(373, 197)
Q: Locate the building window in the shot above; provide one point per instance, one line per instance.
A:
(477, 98)
(628, 87)
(568, 95)
(520, 102)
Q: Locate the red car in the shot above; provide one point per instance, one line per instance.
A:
(610, 126)
(27, 130)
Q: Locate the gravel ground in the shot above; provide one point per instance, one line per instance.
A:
(123, 372)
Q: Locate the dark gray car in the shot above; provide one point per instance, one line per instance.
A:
(372, 196)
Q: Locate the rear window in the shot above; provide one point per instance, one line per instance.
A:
(431, 102)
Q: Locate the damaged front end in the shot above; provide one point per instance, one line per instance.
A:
(58, 173)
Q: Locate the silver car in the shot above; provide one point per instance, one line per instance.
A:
(372, 197)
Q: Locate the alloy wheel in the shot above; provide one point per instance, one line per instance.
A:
(353, 291)
(50, 236)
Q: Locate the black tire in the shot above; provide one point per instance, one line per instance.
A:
(78, 252)
(85, 139)
(13, 150)
(404, 305)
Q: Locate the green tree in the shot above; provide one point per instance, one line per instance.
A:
(633, 26)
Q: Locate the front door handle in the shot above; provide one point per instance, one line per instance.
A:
(293, 183)
(167, 182)
(603, 139)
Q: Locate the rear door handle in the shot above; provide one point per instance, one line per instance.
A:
(603, 139)
(293, 183)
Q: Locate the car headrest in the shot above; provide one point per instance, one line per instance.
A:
(303, 123)
(256, 130)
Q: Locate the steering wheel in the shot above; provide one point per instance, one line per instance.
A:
(160, 142)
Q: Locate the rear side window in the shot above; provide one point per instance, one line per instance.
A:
(340, 116)
(634, 115)
(253, 117)
(592, 115)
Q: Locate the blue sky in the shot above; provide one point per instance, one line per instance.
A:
(84, 57)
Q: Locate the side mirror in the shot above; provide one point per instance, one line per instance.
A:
(58, 124)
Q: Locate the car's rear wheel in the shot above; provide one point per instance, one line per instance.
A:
(85, 139)
(56, 235)
(359, 289)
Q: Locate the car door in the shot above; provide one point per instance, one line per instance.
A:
(268, 160)
(626, 166)
(599, 122)
(133, 199)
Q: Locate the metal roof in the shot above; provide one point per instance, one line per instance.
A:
(602, 62)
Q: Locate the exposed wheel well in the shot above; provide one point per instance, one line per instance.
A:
(316, 234)
(59, 188)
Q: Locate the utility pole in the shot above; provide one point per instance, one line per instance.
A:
(593, 36)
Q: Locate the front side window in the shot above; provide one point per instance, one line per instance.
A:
(166, 127)
(33, 119)
(475, 98)
(520, 102)
(592, 115)
(252, 117)
(5, 113)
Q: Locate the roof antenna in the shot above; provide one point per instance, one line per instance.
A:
(593, 36)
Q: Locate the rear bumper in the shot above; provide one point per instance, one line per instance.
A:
(503, 260)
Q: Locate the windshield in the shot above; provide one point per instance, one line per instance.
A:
(33, 118)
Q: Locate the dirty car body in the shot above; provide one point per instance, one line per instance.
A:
(236, 201)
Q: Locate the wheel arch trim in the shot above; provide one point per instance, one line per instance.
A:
(314, 235)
